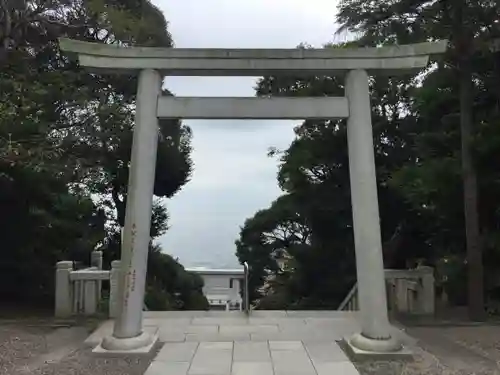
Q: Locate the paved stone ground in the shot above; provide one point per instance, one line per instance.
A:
(251, 358)
(218, 326)
(267, 343)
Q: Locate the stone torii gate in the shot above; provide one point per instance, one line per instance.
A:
(151, 64)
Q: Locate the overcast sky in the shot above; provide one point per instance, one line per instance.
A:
(233, 177)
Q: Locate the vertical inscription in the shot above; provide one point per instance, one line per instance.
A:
(129, 286)
(132, 286)
(130, 276)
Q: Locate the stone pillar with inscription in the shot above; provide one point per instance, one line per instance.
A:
(128, 334)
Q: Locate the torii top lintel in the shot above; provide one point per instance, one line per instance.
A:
(252, 62)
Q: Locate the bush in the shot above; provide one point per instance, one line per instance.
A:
(157, 299)
(196, 301)
(170, 286)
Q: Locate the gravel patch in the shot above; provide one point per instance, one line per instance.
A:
(484, 340)
(443, 351)
(84, 362)
(424, 363)
(18, 345)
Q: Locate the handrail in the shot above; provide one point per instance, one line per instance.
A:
(89, 274)
(349, 297)
(245, 290)
(409, 291)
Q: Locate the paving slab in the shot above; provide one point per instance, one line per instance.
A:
(215, 346)
(292, 362)
(310, 335)
(167, 322)
(212, 359)
(177, 352)
(280, 321)
(177, 329)
(217, 337)
(220, 321)
(252, 368)
(169, 368)
(325, 352)
(251, 352)
(234, 329)
(286, 345)
(200, 329)
(166, 335)
(333, 368)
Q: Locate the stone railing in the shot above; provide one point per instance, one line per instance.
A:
(408, 291)
(226, 298)
(411, 291)
(246, 293)
(79, 292)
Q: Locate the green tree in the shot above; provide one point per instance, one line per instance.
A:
(65, 134)
(170, 286)
(270, 236)
(42, 222)
(314, 170)
(470, 26)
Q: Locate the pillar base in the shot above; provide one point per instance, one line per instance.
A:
(360, 347)
(142, 344)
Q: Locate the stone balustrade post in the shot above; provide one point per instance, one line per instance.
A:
(96, 261)
(401, 286)
(114, 293)
(427, 297)
(90, 299)
(63, 295)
